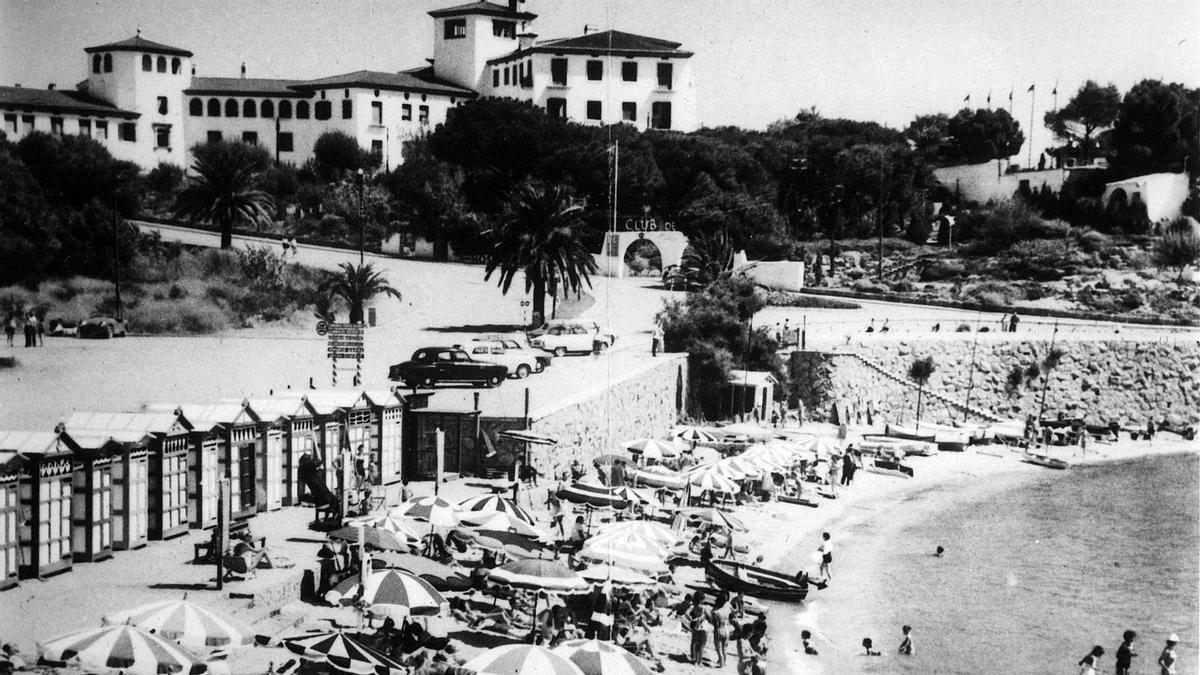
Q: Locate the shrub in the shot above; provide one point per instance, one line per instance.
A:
(903, 286)
(787, 299)
(164, 178)
(869, 286)
(1131, 300)
(996, 227)
(1034, 292)
(942, 270)
(187, 316)
(1179, 245)
(1092, 241)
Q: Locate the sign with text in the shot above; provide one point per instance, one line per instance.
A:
(647, 224)
(345, 341)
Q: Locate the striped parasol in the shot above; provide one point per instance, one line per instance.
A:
(657, 476)
(512, 543)
(630, 541)
(539, 575)
(616, 575)
(407, 528)
(643, 528)
(609, 553)
(390, 593)
(521, 659)
(373, 537)
(719, 518)
(124, 648)
(696, 435)
(650, 448)
(592, 495)
(821, 445)
(194, 627)
(435, 510)
(711, 479)
(594, 657)
(486, 504)
(504, 522)
(342, 653)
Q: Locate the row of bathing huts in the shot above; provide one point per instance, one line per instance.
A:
(102, 482)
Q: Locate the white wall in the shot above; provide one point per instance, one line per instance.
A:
(464, 60)
(395, 130)
(128, 87)
(987, 181)
(1163, 193)
(41, 122)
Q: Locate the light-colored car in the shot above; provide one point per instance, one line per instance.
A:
(520, 361)
(574, 337)
(101, 327)
(551, 324)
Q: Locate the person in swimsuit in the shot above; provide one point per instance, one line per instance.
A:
(906, 645)
(1125, 653)
(826, 551)
(1087, 665)
(1167, 660)
(869, 647)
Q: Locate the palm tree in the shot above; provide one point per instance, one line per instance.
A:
(225, 191)
(540, 234)
(356, 285)
(1049, 363)
(920, 371)
(705, 259)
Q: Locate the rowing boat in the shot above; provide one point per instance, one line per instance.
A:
(1045, 460)
(737, 577)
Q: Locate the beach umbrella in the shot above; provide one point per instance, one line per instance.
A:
(612, 554)
(390, 593)
(405, 528)
(513, 543)
(713, 480)
(719, 518)
(123, 648)
(197, 628)
(503, 522)
(539, 575)
(649, 448)
(822, 446)
(474, 507)
(342, 653)
(657, 476)
(521, 659)
(372, 536)
(602, 658)
(747, 429)
(630, 541)
(526, 436)
(693, 435)
(632, 495)
(642, 528)
(744, 465)
(616, 575)
(592, 495)
(434, 510)
(776, 451)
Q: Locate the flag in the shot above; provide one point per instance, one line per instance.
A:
(989, 98)
(1055, 89)
(1010, 93)
(967, 98)
(1030, 88)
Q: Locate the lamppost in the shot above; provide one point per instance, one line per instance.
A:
(360, 180)
(835, 197)
(116, 234)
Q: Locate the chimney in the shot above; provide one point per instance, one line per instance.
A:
(16, 85)
(193, 70)
(243, 70)
(512, 4)
(50, 87)
(587, 28)
(525, 40)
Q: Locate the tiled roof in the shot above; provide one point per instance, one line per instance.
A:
(139, 44)
(56, 100)
(614, 40)
(420, 80)
(244, 86)
(486, 8)
(29, 442)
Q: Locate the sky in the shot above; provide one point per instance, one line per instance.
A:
(756, 61)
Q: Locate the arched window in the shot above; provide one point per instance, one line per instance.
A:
(302, 110)
(267, 109)
(285, 110)
(214, 107)
(147, 63)
(196, 107)
(108, 63)
(162, 64)
(96, 61)
(175, 65)
(231, 108)
(248, 108)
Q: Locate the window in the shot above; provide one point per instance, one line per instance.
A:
(196, 107)
(507, 74)
(347, 109)
(558, 72)
(629, 111)
(162, 105)
(162, 136)
(527, 77)
(504, 29)
(285, 110)
(556, 107)
(101, 130)
(56, 126)
(665, 75)
(455, 28)
(214, 137)
(423, 114)
(406, 112)
(10, 124)
(495, 77)
(161, 64)
(377, 148)
(595, 70)
(249, 108)
(629, 71)
(302, 110)
(27, 123)
(127, 131)
(231, 108)
(214, 107)
(175, 65)
(376, 112)
(96, 61)
(108, 63)
(85, 128)
(594, 110)
(323, 110)
(266, 109)
(250, 137)
(660, 115)
(285, 142)
(147, 63)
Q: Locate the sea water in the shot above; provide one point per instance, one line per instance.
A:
(1037, 570)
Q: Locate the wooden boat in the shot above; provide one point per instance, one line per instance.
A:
(802, 501)
(879, 444)
(1045, 460)
(889, 467)
(948, 439)
(737, 577)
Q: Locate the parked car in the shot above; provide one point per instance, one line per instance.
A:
(63, 328)
(520, 361)
(432, 366)
(573, 337)
(551, 324)
(101, 327)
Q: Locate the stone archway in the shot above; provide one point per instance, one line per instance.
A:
(611, 258)
(643, 257)
(1118, 201)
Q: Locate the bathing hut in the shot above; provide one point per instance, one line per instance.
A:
(343, 420)
(10, 511)
(387, 408)
(125, 456)
(236, 428)
(47, 469)
(92, 495)
(275, 432)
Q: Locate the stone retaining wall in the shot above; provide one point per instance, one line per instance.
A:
(1101, 380)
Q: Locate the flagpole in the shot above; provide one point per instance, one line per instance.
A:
(1032, 98)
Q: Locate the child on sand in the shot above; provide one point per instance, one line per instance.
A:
(1166, 660)
(826, 551)
(805, 640)
(868, 646)
(1087, 665)
(906, 645)
(1125, 653)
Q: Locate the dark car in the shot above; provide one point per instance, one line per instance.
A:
(431, 366)
(101, 327)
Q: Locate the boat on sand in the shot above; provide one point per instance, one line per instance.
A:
(737, 577)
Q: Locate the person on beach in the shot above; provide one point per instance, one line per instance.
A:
(869, 648)
(1125, 653)
(751, 666)
(806, 642)
(697, 620)
(1087, 665)
(719, 617)
(938, 553)
(826, 551)
(556, 511)
(1166, 660)
(848, 467)
(835, 466)
(10, 329)
(906, 645)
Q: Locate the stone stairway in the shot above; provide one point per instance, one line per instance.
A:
(954, 403)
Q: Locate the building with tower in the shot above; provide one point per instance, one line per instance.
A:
(143, 100)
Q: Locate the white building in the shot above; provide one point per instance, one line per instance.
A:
(142, 100)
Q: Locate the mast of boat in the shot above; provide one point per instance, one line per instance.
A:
(971, 372)
(1046, 382)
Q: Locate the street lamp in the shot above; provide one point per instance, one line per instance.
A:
(360, 180)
